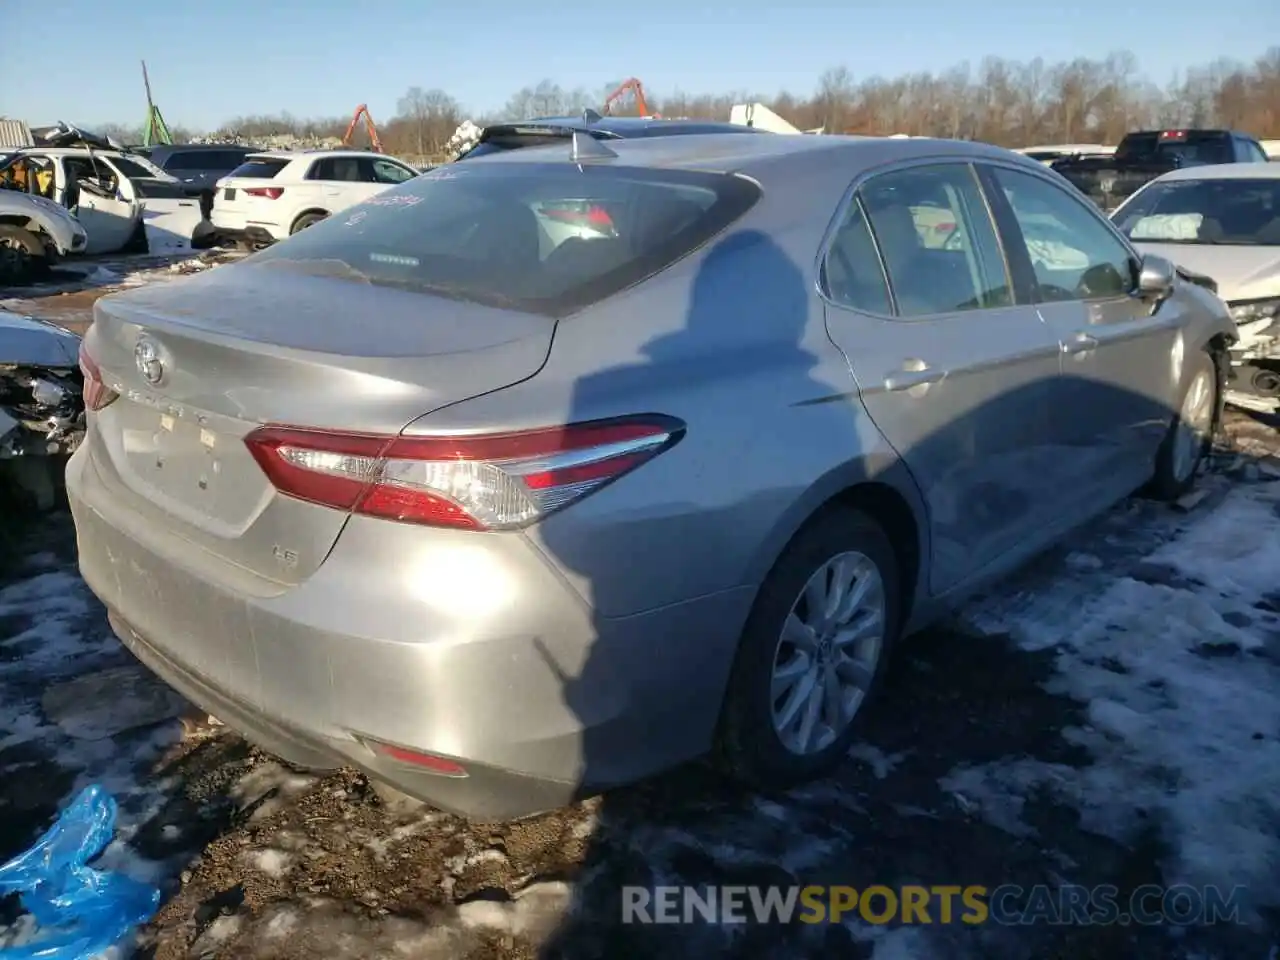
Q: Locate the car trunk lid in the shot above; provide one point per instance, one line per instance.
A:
(247, 345)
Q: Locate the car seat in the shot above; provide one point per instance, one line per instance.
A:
(918, 288)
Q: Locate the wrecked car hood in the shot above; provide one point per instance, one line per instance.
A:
(27, 342)
(12, 199)
(1242, 272)
(65, 135)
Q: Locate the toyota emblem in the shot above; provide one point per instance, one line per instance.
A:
(147, 358)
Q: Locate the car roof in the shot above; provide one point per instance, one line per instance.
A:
(1215, 131)
(625, 127)
(75, 151)
(1226, 171)
(733, 153)
(175, 147)
(299, 154)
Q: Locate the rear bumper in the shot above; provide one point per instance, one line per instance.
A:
(539, 700)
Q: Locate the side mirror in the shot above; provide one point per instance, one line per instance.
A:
(1156, 277)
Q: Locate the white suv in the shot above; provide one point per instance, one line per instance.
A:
(273, 195)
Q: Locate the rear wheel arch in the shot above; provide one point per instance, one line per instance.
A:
(312, 213)
(890, 499)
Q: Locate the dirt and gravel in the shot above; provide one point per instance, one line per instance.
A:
(1106, 716)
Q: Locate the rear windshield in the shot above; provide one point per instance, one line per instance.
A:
(261, 168)
(1238, 212)
(536, 237)
(1193, 148)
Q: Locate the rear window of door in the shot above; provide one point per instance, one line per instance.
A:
(542, 238)
(937, 240)
(340, 170)
(1074, 254)
(852, 274)
(1252, 152)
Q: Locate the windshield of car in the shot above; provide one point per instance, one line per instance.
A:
(1239, 211)
(546, 239)
(135, 167)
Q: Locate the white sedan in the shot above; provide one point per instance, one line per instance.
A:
(1223, 221)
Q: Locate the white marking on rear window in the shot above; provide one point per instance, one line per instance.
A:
(397, 261)
(407, 200)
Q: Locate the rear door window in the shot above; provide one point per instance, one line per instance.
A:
(1253, 152)
(339, 170)
(548, 239)
(937, 239)
(260, 168)
(852, 273)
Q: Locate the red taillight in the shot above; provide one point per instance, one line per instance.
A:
(96, 394)
(481, 482)
(429, 762)
(271, 193)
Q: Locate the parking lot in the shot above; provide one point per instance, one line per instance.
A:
(1108, 716)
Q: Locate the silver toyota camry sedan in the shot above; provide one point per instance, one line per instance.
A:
(504, 514)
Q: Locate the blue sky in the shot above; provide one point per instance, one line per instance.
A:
(211, 61)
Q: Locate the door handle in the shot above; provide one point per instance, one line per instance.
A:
(1080, 343)
(914, 373)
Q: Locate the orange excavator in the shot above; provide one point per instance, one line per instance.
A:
(374, 143)
(634, 87)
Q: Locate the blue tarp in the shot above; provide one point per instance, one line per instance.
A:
(79, 911)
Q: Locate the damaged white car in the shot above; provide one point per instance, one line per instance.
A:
(35, 233)
(123, 200)
(42, 417)
(1223, 222)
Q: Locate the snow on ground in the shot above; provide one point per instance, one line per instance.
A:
(74, 709)
(1107, 716)
(1179, 665)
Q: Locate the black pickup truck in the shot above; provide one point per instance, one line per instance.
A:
(1146, 154)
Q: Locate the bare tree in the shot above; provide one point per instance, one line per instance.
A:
(430, 116)
(1001, 101)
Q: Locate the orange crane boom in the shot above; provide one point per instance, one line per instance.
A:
(374, 142)
(636, 88)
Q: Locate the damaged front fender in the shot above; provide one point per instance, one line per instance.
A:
(41, 389)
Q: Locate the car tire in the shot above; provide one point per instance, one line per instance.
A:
(22, 256)
(1187, 443)
(306, 220)
(756, 743)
